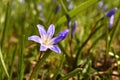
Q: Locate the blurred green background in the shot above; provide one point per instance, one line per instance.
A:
(93, 53)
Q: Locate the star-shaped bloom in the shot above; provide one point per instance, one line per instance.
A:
(46, 40)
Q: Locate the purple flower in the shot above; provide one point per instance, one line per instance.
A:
(74, 28)
(100, 4)
(105, 7)
(57, 8)
(111, 22)
(46, 40)
(68, 21)
(40, 6)
(70, 6)
(111, 12)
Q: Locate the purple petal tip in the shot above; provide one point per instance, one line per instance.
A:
(111, 12)
(62, 35)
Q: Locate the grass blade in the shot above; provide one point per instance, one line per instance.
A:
(42, 61)
(77, 10)
(5, 24)
(71, 74)
(58, 69)
(82, 46)
(20, 65)
(115, 29)
(3, 63)
(12, 61)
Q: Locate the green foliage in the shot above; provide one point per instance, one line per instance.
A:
(3, 63)
(93, 53)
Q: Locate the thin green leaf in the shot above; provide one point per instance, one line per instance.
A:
(58, 69)
(12, 61)
(82, 46)
(96, 41)
(3, 63)
(71, 74)
(64, 52)
(115, 29)
(64, 7)
(41, 63)
(20, 65)
(77, 10)
(5, 24)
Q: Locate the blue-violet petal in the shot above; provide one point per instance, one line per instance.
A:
(55, 49)
(41, 29)
(51, 31)
(111, 12)
(43, 48)
(111, 21)
(60, 36)
(74, 28)
(35, 38)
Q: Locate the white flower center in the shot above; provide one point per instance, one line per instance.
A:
(46, 41)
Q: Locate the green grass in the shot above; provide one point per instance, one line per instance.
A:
(85, 56)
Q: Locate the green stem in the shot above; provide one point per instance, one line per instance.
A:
(77, 10)
(21, 61)
(71, 74)
(38, 65)
(115, 29)
(95, 42)
(3, 64)
(61, 1)
(5, 24)
(64, 52)
(58, 69)
(34, 69)
(12, 62)
(81, 47)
